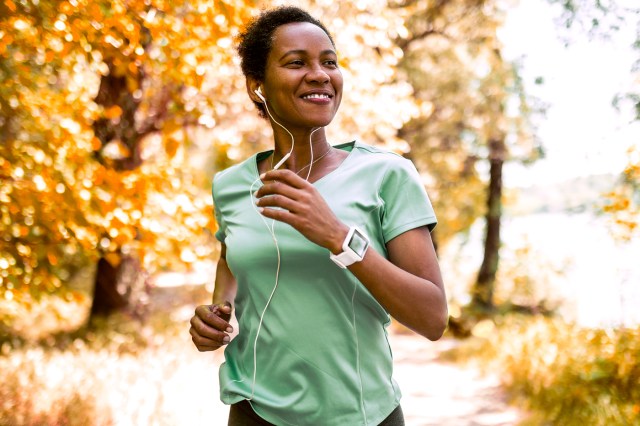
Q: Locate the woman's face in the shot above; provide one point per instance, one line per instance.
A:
(303, 84)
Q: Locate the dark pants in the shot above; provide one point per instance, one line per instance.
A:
(242, 414)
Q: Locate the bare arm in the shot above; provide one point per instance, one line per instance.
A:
(210, 323)
(408, 285)
(225, 286)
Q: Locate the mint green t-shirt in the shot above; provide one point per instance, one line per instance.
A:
(322, 356)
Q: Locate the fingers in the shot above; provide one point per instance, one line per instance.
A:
(288, 194)
(280, 215)
(273, 187)
(208, 330)
(278, 201)
(225, 310)
(211, 316)
(286, 176)
(202, 343)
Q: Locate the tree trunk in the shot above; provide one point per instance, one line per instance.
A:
(483, 289)
(120, 288)
(106, 297)
(114, 289)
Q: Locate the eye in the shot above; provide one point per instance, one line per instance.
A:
(331, 63)
(296, 63)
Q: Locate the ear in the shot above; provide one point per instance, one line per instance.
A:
(253, 86)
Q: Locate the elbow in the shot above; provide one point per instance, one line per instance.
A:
(436, 332)
(437, 326)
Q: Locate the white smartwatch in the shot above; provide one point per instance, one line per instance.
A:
(354, 247)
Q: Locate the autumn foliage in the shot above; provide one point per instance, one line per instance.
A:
(623, 203)
(114, 115)
(90, 169)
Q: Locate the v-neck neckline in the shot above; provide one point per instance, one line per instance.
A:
(264, 154)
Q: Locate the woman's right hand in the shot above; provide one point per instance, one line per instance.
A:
(210, 326)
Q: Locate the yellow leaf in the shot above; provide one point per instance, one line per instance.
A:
(132, 83)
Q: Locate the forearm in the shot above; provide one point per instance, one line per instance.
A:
(414, 301)
(210, 326)
(225, 284)
(409, 284)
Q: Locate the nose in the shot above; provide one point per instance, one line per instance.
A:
(317, 75)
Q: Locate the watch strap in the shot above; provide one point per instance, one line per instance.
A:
(344, 259)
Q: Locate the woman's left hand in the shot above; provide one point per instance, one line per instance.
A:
(302, 207)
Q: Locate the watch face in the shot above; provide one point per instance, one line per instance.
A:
(358, 243)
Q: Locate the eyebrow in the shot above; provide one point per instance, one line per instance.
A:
(303, 52)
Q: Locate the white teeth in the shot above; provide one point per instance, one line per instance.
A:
(316, 96)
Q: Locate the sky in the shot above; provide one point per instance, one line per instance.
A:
(582, 133)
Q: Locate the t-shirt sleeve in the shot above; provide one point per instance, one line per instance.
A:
(406, 204)
(221, 233)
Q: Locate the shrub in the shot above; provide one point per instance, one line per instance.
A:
(566, 374)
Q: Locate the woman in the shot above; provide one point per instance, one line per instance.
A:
(319, 245)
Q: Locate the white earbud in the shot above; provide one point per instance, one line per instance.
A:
(260, 95)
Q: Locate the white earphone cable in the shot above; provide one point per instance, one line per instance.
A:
(271, 229)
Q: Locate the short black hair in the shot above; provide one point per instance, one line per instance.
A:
(255, 41)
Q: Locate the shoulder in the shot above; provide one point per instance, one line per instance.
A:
(384, 161)
(234, 176)
(375, 151)
(239, 170)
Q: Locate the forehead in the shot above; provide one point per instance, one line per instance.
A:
(300, 36)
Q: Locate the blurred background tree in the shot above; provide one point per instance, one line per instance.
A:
(114, 116)
(99, 103)
(475, 116)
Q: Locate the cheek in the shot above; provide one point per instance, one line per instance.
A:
(338, 80)
(338, 84)
(338, 100)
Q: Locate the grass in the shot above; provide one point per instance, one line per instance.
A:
(563, 374)
(124, 373)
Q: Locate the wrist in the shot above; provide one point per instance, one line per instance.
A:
(221, 301)
(337, 239)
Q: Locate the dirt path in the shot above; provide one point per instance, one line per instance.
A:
(446, 394)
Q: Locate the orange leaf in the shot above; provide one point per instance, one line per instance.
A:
(113, 112)
(96, 144)
(171, 146)
(49, 56)
(53, 260)
(133, 68)
(113, 259)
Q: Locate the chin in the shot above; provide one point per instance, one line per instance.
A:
(321, 121)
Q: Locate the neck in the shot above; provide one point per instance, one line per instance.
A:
(301, 154)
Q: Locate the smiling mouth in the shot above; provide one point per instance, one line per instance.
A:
(317, 96)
